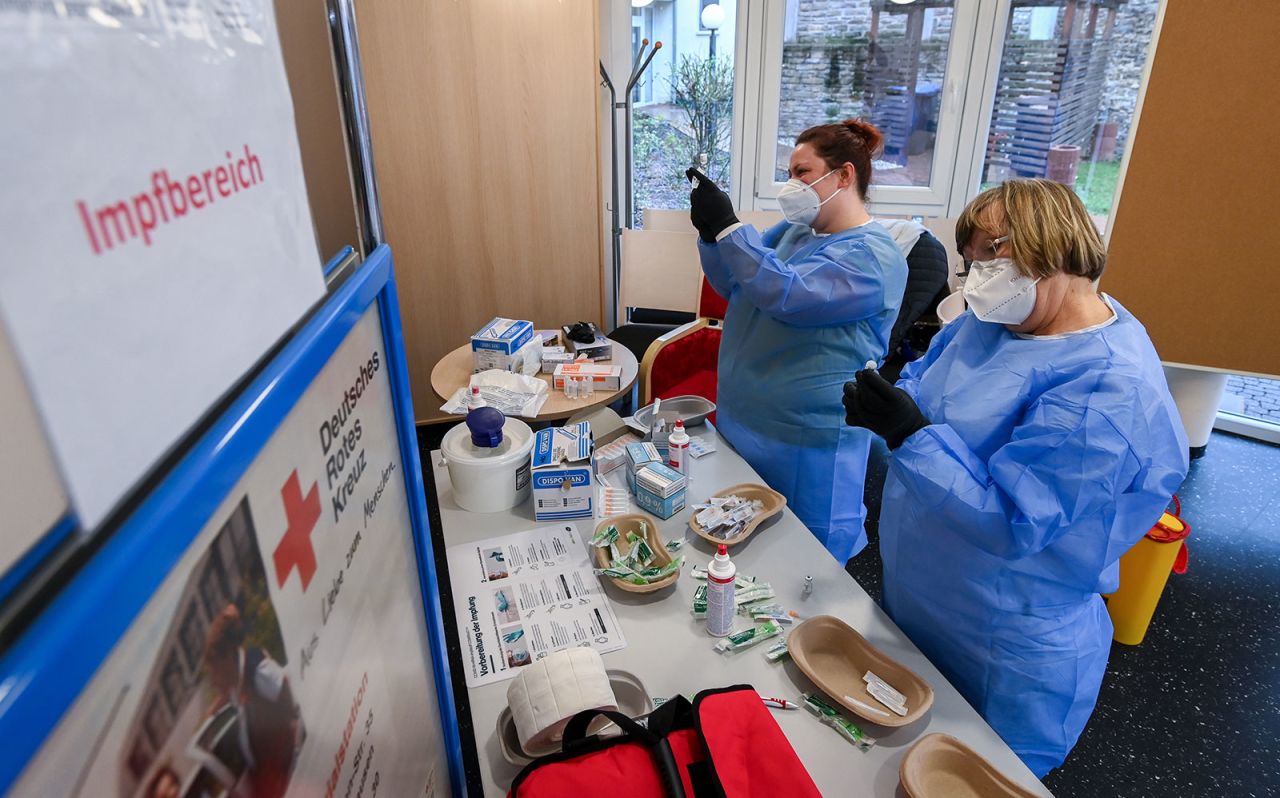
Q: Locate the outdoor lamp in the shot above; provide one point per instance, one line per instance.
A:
(712, 16)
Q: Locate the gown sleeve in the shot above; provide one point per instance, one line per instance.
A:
(838, 284)
(1066, 461)
(714, 267)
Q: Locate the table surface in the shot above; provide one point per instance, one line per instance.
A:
(671, 653)
(454, 371)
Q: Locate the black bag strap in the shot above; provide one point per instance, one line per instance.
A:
(664, 760)
(674, 714)
(575, 732)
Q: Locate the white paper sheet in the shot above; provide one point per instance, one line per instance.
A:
(523, 596)
(158, 238)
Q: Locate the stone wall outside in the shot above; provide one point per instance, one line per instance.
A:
(823, 63)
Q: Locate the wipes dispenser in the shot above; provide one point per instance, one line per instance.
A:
(488, 461)
(544, 696)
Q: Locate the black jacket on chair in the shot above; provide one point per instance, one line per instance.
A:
(927, 274)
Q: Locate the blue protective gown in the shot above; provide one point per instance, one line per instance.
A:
(805, 312)
(1005, 518)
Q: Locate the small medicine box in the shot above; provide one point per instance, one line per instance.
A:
(499, 345)
(660, 490)
(604, 378)
(640, 455)
(599, 349)
(562, 482)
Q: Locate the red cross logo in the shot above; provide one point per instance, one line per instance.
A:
(294, 549)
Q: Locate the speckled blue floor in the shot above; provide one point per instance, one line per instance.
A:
(1194, 709)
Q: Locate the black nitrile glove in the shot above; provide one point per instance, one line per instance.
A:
(710, 209)
(889, 412)
(584, 332)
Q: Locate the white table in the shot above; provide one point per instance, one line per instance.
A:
(672, 654)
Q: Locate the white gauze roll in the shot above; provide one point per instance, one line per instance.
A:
(547, 693)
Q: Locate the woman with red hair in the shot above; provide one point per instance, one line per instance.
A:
(811, 300)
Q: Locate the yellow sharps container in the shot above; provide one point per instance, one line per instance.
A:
(1144, 570)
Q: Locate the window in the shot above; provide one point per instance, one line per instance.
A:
(155, 723)
(173, 684)
(1251, 406)
(684, 103)
(884, 63)
(1066, 94)
(967, 94)
(191, 637)
(213, 583)
(903, 66)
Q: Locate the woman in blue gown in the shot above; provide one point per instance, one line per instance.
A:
(810, 302)
(1032, 445)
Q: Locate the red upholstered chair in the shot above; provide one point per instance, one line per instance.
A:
(683, 361)
(710, 304)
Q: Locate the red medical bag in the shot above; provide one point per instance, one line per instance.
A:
(723, 744)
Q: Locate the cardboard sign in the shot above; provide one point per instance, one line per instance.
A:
(287, 653)
(158, 237)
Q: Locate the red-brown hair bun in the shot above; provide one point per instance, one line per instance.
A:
(851, 141)
(871, 137)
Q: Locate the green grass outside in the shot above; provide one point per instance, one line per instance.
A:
(1095, 184)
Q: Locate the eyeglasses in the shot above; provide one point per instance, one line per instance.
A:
(994, 246)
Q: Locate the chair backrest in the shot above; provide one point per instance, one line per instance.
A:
(926, 278)
(671, 221)
(660, 269)
(710, 304)
(678, 220)
(663, 267)
(682, 361)
(944, 229)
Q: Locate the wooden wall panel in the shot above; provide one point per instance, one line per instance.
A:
(485, 138)
(308, 60)
(1195, 237)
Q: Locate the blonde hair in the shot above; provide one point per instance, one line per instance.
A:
(1048, 226)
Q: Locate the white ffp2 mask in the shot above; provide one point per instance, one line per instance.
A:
(800, 203)
(997, 292)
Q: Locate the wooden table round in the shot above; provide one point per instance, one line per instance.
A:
(454, 371)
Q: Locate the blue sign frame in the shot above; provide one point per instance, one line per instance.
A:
(45, 670)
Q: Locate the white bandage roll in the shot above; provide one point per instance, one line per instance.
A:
(550, 691)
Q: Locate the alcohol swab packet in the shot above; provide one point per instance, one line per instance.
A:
(897, 697)
(876, 691)
(699, 446)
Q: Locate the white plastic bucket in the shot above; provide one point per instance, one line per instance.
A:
(489, 480)
(950, 308)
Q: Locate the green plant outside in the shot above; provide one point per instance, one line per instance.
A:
(703, 89)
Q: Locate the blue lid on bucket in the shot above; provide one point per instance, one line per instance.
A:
(485, 424)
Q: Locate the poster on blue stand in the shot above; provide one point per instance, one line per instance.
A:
(267, 622)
